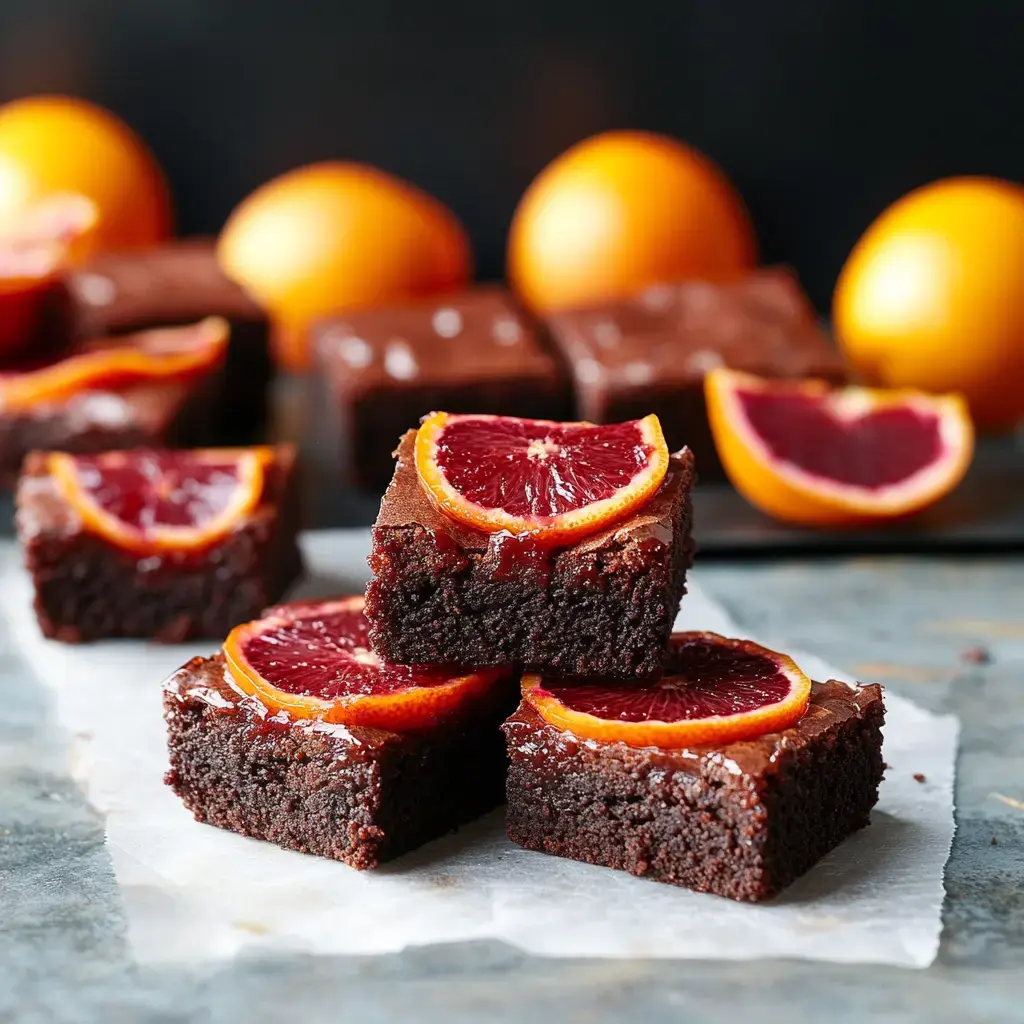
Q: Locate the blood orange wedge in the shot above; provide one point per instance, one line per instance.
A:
(557, 481)
(171, 353)
(160, 501)
(813, 456)
(714, 691)
(315, 661)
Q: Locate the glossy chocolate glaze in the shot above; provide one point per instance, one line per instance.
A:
(549, 748)
(174, 283)
(406, 504)
(670, 335)
(207, 681)
(476, 335)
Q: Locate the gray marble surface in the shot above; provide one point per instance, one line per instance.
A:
(907, 623)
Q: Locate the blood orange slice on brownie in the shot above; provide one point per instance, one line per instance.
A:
(159, 501)
(169, 353)
(313, 660)
(810, 455)
(714, 690)
(556, 481)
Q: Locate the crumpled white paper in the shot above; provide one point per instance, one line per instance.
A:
(193, 892)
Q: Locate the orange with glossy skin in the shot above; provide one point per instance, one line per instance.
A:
(685, 732)
(165, 353)
(932, 297)
(250, 464)
(52, 144)
(621, 211)
(405, 708)
(785, 492)
(548, 530)
(340, 236)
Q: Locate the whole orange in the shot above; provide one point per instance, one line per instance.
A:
(620, 211)
(334, 236)
(54, 144)
(932, 296)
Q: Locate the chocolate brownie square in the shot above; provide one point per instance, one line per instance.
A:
(445, 593)
(650, 353)
(741, 820)
(355, 794)
(178, 414)
(170, 285)
(88, 588)
(384, 369)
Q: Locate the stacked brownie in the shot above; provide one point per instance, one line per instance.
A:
(740, 819)
(477, 351)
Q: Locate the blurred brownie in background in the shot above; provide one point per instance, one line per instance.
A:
(649, 353)
(178, 283)
(174, 414)
(381, 370)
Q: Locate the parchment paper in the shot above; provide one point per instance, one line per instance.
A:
(192, 892)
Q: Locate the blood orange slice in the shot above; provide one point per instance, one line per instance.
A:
(714, 691)
(557, 481)
(813, 456)
(159, 501)
(33, 250)
(315, 661)
(170, 353)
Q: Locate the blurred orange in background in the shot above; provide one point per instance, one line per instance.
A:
(620, 211)
(56, 144)
(337, 236)
(932, 296)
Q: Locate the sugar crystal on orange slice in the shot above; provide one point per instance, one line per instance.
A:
(813, 456)
(153, 502)
(554, 481)
(313, 660)
(715, 691)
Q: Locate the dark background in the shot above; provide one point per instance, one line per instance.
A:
(822, 111)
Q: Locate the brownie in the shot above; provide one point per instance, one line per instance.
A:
(355, 794)
(445, 593)
(86, 588)
(650, 353)
(384, 369)
(178, 283)
(176, 414)
(741, 820)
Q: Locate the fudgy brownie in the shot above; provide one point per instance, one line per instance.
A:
(650, 353)
(383, 369)
(355, 794)
(445, 593)
(88, 588)
(741, 820)
(170, 285)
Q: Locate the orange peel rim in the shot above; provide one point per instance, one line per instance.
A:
(114, 366)
(715, 729)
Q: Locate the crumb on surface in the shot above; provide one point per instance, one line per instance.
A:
(976, 655)
(919, 777)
